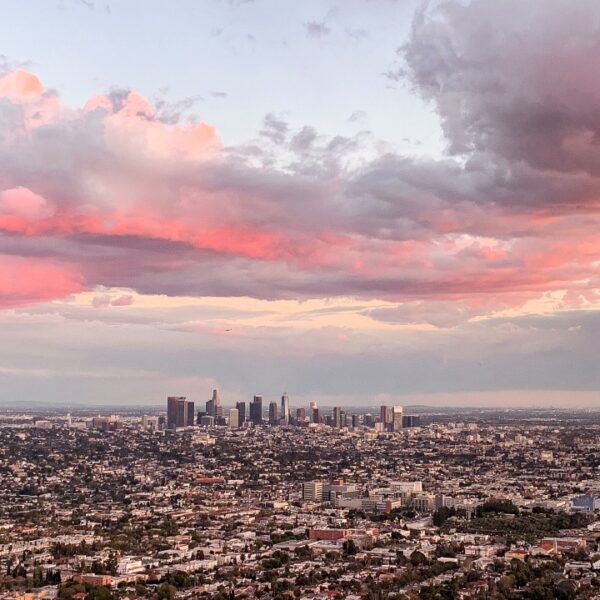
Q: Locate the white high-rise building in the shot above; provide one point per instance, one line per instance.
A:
(397, 414)
(234, 418)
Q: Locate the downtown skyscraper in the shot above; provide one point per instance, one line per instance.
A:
(256, 410)
(180, 412)
(213, 406)
(285, 409)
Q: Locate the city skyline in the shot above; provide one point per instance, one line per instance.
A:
(365, 202)
(299, 300)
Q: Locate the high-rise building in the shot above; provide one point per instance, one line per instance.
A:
(189, 420)
(300, 415)
(397, 413)
(256, 410)
(180, 412)
(355, 421)
(172, 402)
(213, 406)
(241, 406)
(273, 414)
(314, 412)
(386, 417)
(312, 491)
(285, 409)
(210, 408)
(337, 417)
(216, 398)
(234, 418)
(411, 421)
(382, 413)
(181, 418)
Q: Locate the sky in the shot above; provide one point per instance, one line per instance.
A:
(355, 202)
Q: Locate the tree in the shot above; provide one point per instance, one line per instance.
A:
(442, 514)
(166, 591)
(417, 558)
(99, 593)
(350, 548)
(303, 551)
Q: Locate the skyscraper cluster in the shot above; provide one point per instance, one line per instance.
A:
(180, 413)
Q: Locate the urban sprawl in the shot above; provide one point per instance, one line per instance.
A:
(266, 501)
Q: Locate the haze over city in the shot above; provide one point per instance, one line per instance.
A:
(359, 202)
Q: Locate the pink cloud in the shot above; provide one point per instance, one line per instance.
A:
(123, 301)
(20, 84)
(123, 199)
(23, 203)
(28, 281)
(101, 301)
(104, 301)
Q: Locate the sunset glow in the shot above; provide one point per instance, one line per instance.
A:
(132, 220)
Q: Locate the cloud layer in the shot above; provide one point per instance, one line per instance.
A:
(112, 194)
(139, 249)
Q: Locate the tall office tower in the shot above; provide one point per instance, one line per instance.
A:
(241, 406)
(256, 410)
(397, 414)
(189, 420)
(213, 406)
(337, 417)
(285, 409)
(382, 413)
(300, 415)
(181, 420)
(411, 421)
(314, 412)
(177, 412)
(273, 414)
(355, 421)
(210, 408)
(216, 399)
(234, 418)
(386, 416)
(312, 491)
